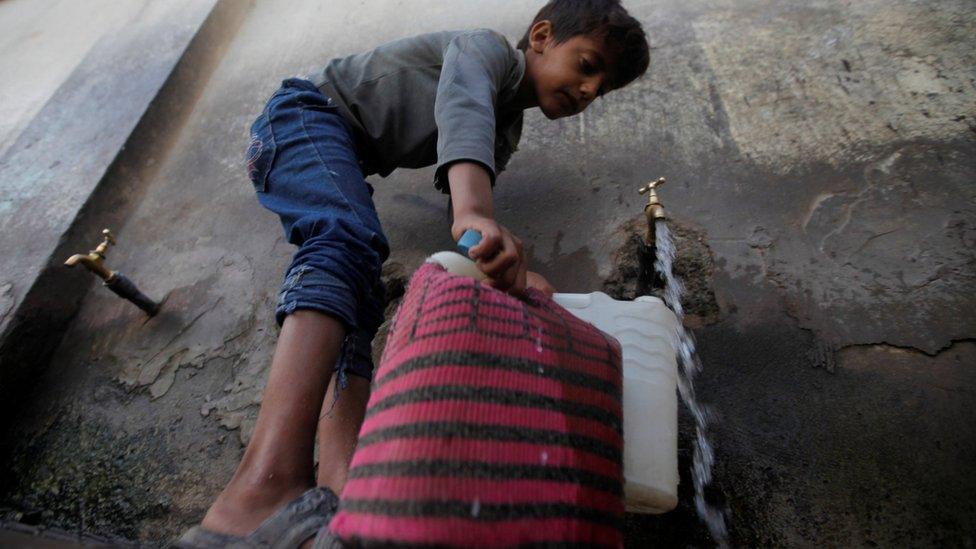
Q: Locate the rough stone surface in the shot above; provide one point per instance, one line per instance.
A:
(79, 473)
(820, 166)
(19, 534)
(877, 71)
(693, 264)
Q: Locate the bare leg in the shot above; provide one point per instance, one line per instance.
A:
(339, 431)
(277, 464)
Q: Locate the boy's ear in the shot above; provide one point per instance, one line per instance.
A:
(539, 35)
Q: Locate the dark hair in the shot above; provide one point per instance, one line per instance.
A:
(606, 19)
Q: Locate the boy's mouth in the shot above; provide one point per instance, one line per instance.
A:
(572, 107)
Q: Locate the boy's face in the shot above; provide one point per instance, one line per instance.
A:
(568, 76)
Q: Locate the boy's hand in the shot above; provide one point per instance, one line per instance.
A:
(499, 254)
(537, 281)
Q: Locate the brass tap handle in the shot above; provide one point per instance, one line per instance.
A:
(653, 209)
(94, 261)
(109, 240)
(652, 185)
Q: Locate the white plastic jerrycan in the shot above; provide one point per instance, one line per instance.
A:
(645, 329)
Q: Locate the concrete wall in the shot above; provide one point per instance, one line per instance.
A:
(43, 42)
(820, 165)
(54, 169)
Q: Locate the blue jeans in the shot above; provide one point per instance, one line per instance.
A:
(303, 163)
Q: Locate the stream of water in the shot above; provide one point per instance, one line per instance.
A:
(689, 365)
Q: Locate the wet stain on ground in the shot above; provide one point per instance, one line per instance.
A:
(81, 475)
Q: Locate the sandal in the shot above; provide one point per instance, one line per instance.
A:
(287, 528)
(325, 539)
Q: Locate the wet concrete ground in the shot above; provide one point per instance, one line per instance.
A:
(821, 170)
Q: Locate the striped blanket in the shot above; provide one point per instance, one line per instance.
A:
(492, 421)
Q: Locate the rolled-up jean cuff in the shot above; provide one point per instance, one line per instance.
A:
(356, 357)
(310, 288)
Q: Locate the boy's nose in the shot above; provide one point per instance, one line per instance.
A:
(590, 88)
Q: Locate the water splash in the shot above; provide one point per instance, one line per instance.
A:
(703, 457)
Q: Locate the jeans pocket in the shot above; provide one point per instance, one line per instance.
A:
(260, 153)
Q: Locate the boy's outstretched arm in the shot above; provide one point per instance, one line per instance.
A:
(499, 254)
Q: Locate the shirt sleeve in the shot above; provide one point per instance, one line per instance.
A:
(474, 69)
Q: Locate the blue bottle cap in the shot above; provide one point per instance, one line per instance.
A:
(468, 240)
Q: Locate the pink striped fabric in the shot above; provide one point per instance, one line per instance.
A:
(492, 421)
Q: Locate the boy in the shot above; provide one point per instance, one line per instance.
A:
(454, 99)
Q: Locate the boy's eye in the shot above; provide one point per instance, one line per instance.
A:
(586, 66)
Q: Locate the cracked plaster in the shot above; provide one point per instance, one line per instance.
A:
(202, 315)
(893, 261)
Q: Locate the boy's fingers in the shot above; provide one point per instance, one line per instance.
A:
(507, 282)
(518, 288)
(520, 283)
(491, 241)
(512, 279)
(501, 256)
(537, 281)
(504, 260)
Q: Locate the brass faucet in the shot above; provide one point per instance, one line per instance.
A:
(120, 284)
(648, 279)
(654, 210)
(95, 260)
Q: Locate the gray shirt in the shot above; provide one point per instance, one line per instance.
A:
(434, 98)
